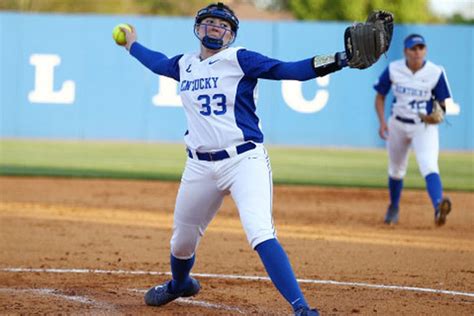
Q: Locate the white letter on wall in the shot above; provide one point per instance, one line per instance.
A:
(167, 95)
(452, 108)
(293, 95)
(44, 80)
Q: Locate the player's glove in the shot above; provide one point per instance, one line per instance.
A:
(366, 42)
(436, 116)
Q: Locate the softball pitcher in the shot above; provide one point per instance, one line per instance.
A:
(419, 88)
(224, 141)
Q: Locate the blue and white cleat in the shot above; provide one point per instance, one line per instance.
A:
(392, 215)
(305, 311)
(159, 295)
(442, 210)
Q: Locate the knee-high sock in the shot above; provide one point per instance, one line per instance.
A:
(395, 187)
(279, 269)
(434, 188)
(180, 270)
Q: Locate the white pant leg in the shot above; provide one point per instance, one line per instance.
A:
(398, 145)
(426, 147)
(196, 205)
(252, 191)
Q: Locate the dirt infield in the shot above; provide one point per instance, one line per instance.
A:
(75, 246)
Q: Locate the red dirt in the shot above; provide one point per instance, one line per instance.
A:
(329, 234)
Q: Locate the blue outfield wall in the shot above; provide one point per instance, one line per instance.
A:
(62, 77)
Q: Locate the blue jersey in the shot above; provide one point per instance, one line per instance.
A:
(219, 93)
(413, 92)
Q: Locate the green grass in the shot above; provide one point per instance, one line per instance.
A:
(291, 165)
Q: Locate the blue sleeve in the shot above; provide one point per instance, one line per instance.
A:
(441, 90)
(156, 61)
(383, 84)
(256, 65)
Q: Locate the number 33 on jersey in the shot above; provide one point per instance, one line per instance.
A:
(219, 103)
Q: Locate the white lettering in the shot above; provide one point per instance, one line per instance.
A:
(452, 108)
(167, 93)
(293, 95)
(168, 96)
(44, 82)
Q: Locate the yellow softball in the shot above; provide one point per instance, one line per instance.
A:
(118, 35)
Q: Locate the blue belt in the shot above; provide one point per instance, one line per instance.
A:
(405, 120)
(221, 154)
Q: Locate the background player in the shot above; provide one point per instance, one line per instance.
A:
(415, 83)
(224, 145)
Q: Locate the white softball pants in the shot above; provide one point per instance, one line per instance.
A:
(424, 140)
(247, 177)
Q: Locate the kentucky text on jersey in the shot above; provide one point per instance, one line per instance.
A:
(410, 91)
(199, 84)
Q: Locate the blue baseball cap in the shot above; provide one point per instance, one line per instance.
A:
(413, 40)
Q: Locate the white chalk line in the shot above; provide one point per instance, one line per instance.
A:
(191, 301)
(247, 278)
(56, 293)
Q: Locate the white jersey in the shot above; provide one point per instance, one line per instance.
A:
(219, 93)
(413, 92)
(210, 90)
